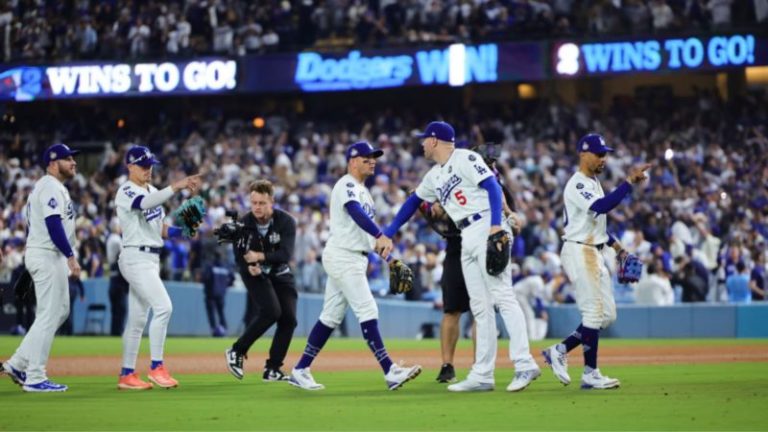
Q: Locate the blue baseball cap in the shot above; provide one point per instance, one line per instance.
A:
(440, 130)
(593, 143)
(58, 152)
(363, 149)
(141, 156)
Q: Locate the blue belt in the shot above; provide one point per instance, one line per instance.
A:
(150, 249)
(467, 221)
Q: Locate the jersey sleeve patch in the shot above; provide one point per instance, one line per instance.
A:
(579, 185)
(350, 185)
(52, 203)
(472, 158)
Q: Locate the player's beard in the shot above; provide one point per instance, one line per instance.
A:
(67, 172)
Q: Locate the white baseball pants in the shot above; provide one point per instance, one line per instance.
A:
(50, 273)
(347, 284)
(485, 293)
(586, 268)
(142, 271)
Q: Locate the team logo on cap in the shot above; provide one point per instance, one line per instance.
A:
(602, 142)
(52, 156)
(584, 146)
(353, 153)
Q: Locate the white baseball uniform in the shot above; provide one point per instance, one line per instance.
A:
(345, 257)
(48, 267)
(583, 252)
(527, 290)
(139, 263)
(456, 186)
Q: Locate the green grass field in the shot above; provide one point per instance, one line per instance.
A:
(728, 396)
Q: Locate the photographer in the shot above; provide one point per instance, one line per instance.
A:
(263, 246)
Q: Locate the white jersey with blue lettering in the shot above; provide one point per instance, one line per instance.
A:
(580, 223)
(140, 227)
(456, 185)
(49, 197)
(345, 233)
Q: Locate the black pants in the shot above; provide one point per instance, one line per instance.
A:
(273, 301)
(118, 302)
(214, 305)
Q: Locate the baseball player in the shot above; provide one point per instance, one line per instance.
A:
(585, 237)
(345, 259)
(468, 191)
(140, 211)
(50, 260)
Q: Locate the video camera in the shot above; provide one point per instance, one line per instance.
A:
(232, 231)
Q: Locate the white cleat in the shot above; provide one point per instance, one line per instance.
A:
(523, 379)
(399, 375)
(303, 378)
(596, 380)
(470, 385)
(559, 363)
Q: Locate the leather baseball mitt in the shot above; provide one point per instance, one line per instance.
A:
(400, 277)
(498, 251)
(189, 216)
(629, 267)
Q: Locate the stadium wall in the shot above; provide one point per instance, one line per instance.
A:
(405, 319)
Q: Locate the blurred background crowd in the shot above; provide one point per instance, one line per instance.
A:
(115, 29)
(700, 224)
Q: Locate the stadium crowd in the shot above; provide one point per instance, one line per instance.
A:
(105, 29)
(700, 224)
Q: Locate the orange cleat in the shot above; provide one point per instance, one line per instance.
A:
(161, 377)
(132, 382)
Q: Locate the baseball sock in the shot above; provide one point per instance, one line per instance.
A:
(155, 364)
(315, 342)
(590, 338)
(126, 371)
(373, 337)
(572, 341)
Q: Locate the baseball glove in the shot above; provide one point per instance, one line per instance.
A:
(498, 251)
(629, 267)
(400, 277)
(189, 216)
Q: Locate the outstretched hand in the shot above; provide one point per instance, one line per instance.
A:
(637, 173)
(192, 183)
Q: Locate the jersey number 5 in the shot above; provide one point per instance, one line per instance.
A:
(460, 197)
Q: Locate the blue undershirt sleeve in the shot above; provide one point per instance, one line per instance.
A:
(406, 211)
(610, 201)
(58, 236)
(361, 219)
(491, 185)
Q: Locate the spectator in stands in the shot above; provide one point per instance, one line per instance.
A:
(758, 280)
(737, 285)
(654, 289)
(693, 285)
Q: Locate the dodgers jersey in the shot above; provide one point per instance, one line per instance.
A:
(455, 185)
(49, 197)
(580, 223)
(140, 227)
(345, 233)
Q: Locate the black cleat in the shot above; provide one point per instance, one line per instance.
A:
(447, 374)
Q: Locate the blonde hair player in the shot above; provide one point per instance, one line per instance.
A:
(50, 260)
(586, 206)
(140, 211)
(471, 195)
